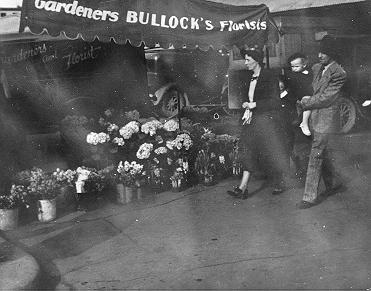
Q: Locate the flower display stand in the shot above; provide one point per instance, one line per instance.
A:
(46, 210)
(8, 219)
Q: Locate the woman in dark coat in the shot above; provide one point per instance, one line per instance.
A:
(262, 139)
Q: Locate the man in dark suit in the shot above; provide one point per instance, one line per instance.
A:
(329, 78)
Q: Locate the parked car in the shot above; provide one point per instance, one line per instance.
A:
(355, 57)
(191, 76)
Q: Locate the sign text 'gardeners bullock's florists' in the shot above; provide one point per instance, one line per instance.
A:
(182, 22)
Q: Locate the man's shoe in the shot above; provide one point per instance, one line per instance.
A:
(237, 193)
(305, 204)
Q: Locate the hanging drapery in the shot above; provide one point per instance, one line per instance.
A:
(166, 22)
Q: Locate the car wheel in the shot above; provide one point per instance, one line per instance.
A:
(170, 102)
(347, 115)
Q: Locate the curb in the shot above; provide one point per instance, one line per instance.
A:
(21, 272)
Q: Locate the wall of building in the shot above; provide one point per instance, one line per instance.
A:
(304, 28)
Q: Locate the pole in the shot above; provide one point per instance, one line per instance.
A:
(267, 55)
(179, 112)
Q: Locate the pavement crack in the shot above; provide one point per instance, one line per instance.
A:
(113, 225)
(273, 257)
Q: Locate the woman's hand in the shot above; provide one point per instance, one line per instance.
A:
(249, 105)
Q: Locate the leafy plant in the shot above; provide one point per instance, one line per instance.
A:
(16, 197)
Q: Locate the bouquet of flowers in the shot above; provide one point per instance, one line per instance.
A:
(177, 179)
(205, 164)
(89, 180)
(16, 197)
(65, 177)
(43, 185)
(95, 183)
(129, 173)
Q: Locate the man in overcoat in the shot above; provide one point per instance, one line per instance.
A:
(328, 79)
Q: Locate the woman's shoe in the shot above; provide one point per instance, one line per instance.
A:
(238, 193)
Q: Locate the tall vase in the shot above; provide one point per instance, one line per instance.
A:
(8, 219)
(120, 193)
(130, 193)
(126, 194)
(46, 210)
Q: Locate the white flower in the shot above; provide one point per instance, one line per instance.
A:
(221, 159)
(151, 127)
(171, 125)
(144, 151)
(92, 138)
(119, 141)
(160, 150)
(129, 129)
(95, 138)
(111, 127)
(170, 144)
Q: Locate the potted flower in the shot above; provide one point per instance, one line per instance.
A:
(44, 187)
(205, 166)
(90, 183)
(66, 180)
(178, 179)
(10, 202)
(128, 180)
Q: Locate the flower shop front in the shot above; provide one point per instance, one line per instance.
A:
(121, 149)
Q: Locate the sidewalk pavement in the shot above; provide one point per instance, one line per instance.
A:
(18, 269)
(203, 239)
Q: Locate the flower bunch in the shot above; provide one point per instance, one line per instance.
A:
(129, 129)
(97, 138)
(160, 151)
(95, 182)
(177, 179)
(65, 177)
(151, 127)
(144, 151)
(182, 140)
(112, 127)
(15, 198)
(129, 173)
(171, 125)
(42, 185)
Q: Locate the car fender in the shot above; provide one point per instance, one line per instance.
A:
(161, 92)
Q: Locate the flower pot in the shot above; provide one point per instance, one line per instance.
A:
(130, 193)
(8, 219)
(46, 210)
(125, 194)
(65, 197)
